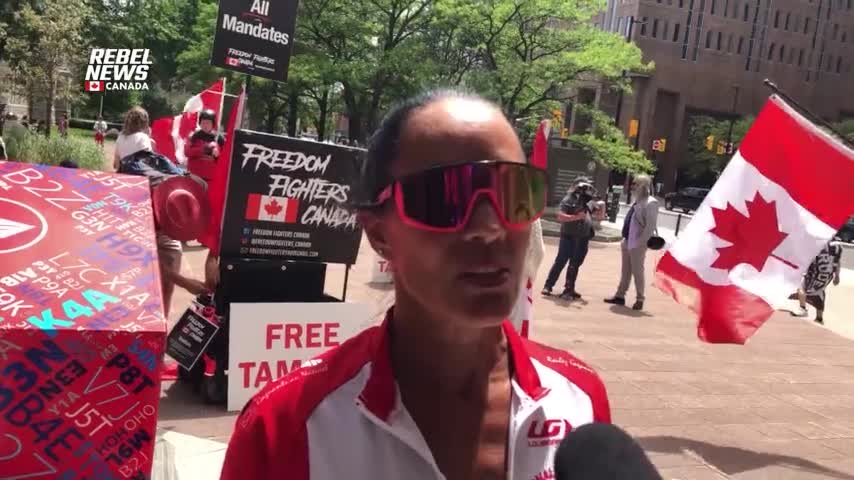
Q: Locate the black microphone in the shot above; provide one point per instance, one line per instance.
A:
(601, 451)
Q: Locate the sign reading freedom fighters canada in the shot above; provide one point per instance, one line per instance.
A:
(286, 200)
(81, 324)
(255, 37)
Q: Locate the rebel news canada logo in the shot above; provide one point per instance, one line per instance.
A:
(117, 69)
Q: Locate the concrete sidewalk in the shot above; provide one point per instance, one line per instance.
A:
(781, 407)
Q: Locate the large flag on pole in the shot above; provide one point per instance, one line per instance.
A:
(170, 133)
(218, 185)
(783, 196)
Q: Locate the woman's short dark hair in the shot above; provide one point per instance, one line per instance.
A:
(383, 145)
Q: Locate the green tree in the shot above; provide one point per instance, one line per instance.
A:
(528, 55)
(47, 44)
(374, 47)
(606, 144)
(702, 162)
(846, 128)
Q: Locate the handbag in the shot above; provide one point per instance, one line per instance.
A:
(655, 242)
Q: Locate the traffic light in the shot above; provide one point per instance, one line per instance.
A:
(710, 143)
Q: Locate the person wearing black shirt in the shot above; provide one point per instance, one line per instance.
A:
(576, 230)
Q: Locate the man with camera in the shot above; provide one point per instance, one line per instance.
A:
(576, 230)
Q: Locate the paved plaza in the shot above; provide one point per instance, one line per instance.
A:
(781, 407)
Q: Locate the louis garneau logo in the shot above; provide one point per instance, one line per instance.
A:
(112, 69)
(542, 433)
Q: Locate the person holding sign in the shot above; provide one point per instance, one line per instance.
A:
(445, 386)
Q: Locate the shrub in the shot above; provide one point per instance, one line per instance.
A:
(52, 151)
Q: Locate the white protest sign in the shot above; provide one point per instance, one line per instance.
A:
(268, 340)
(382, 271)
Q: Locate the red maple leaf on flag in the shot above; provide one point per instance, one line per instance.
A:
(273, 208)
(754, 237)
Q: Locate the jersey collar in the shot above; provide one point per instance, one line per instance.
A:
(379, 395)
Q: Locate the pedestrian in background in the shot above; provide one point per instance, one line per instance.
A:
(576, 230)
(825, 268)
(640, 224)
(100, 128)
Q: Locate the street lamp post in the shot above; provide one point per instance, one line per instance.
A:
(632, 22)
(732, 118)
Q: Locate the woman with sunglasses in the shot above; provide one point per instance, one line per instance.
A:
(444, 387)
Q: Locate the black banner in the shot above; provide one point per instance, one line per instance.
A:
(286, 200)
(255, 37)
(189, 338)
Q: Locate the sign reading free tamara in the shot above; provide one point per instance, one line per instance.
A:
(276, 338)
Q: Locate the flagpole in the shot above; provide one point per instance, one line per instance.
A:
(815, 118)
(221, 102)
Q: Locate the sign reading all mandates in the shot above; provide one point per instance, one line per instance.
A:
(255, 37)
(286, 200)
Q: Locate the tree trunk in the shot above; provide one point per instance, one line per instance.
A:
(48, 106)
(271, 110)
(293, 112)
(322, 113)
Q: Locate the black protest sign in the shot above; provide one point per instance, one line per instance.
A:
(287, 200)
(255, 37)
(189, 338)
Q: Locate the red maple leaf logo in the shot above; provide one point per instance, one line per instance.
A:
(273, 208)
(753, 237)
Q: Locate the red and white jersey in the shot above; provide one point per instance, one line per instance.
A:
(340, 416)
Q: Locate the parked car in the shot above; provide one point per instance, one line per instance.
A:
(686, 199)
(846, 233)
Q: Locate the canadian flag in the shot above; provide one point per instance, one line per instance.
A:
(219, 183)
(94, 86)
(170, 133)
(783, 196)
(271, 209)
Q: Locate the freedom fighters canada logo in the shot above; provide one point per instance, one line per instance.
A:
(21, 226)
(117, 69)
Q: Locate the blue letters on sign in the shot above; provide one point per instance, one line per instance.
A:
(71, 309)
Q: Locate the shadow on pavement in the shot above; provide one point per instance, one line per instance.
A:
(628, 312)
(734, 460)
(178, 402)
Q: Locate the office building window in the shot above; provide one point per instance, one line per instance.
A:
(726, 8)
(796, 27)
(643, 27)
(709, 39)
(746, 12)
(791, 56)
(786, 25)
(655, 28)
(777, 19)
(712, 10)
(771, 52)
(676, 32)
(620, 25)
(829, 62)
(664, 30)
(844, 37)
(719, 41)
(681, 3)
(835, 30)
(729, 44)
(807, 26)
(740, 45)
(782, 53)
(734, 8)
(801, 57)
(849, 7)
(839, 65)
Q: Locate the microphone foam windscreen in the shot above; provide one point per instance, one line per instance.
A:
(601, 451)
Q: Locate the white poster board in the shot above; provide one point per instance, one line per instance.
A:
(382, 271)
(268, 340)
